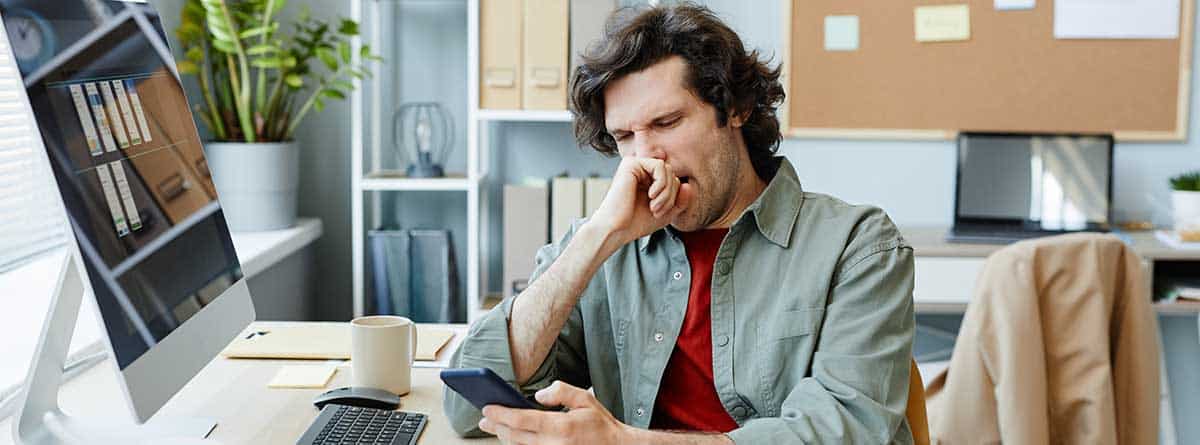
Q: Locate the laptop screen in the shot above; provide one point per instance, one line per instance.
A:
(1047, 182)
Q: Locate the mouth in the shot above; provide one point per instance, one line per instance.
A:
(684, 179)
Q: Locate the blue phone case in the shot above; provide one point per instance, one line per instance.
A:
(482, 387)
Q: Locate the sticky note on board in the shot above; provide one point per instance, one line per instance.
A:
(1004, 5)
(841, 33)
(942, 23)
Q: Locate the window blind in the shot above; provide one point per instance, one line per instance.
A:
(31, 217)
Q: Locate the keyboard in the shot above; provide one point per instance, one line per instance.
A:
(341, 424)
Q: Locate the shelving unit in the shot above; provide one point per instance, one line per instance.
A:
(368, 142)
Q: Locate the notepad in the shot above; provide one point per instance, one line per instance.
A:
(302, 376)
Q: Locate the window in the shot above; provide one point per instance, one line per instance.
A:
(33, 235)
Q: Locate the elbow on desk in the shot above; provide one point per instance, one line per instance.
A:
(464, 417)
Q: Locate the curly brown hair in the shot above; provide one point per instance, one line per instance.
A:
(720, 71)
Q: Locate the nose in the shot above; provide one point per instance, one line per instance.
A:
(647, 146)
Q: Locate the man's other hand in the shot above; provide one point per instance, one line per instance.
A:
(585, 421)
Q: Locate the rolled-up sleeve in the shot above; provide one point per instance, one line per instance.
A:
(858, 387)
(487, 346)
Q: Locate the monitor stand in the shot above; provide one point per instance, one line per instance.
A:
(42, 421)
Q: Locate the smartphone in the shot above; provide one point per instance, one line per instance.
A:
(482, 387)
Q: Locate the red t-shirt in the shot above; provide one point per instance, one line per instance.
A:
(687, 398)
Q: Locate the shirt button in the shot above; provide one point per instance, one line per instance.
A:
(723, 340)
(737, 411)
(640, 412)
(677, 275)
(658, 336)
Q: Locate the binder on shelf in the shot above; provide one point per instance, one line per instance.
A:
(594, 190)
(566, 204)
(544, 55)
(587, 26)
(526, 217)
(415, 275)
(500, 54)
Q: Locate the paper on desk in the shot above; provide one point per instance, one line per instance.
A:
(1126, 19)
(430, 341)
(942, 23)
(302, 376)
(321, 341)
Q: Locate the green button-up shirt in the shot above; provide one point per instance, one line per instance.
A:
(812, 324)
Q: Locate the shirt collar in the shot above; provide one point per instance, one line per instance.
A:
(775, 210)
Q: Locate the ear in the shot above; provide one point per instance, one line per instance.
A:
(737, 118)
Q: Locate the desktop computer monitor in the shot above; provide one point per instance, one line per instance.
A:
(153, 248)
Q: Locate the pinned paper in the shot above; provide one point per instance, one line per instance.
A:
(302, 376)
(1129, 19)
(942, 23)
(841, 33)
(1015, 4)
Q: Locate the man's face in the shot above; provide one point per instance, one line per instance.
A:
(652, 114)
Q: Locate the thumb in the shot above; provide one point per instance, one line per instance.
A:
(563, 394)
(687, 193)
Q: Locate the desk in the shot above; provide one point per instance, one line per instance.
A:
(234, 393)
(946, 272)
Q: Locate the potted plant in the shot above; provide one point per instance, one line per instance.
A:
(257, 85)
(1185, 203)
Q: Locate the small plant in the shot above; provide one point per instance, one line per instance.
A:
(1186, 182)
(257, 83)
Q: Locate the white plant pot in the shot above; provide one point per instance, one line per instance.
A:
(1186, 209)
(256, 183)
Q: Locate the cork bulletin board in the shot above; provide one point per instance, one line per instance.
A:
(1012, 74)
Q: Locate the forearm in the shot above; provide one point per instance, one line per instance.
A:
(539, 313)
(677, 437)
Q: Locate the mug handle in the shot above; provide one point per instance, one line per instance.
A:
(412, 352)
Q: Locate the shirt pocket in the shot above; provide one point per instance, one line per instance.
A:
(791, 324)
(785, 349)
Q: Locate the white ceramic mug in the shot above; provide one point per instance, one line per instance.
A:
(382, 349)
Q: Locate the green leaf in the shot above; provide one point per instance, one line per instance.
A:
(224, 46)
(187, 67)
(256, 31)
(195, 54)
(342, 85)
(267, 62)
(294, 80)
(333, 94)
(344, 51)
(364, 51)
(258, 50)
(319, 104)
(348, 27)
(326, 56)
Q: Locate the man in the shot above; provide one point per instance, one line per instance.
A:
(708, 299)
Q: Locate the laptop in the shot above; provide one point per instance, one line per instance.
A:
(1013, 186)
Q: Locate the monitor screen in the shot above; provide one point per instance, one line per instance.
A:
(128, 163)
(1049, 182)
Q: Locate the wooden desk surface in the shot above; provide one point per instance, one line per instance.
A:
(930, 241)
(234, 392)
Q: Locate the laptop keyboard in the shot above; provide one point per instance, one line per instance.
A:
(341, 424)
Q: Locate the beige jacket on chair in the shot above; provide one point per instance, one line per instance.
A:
(1058, 345)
